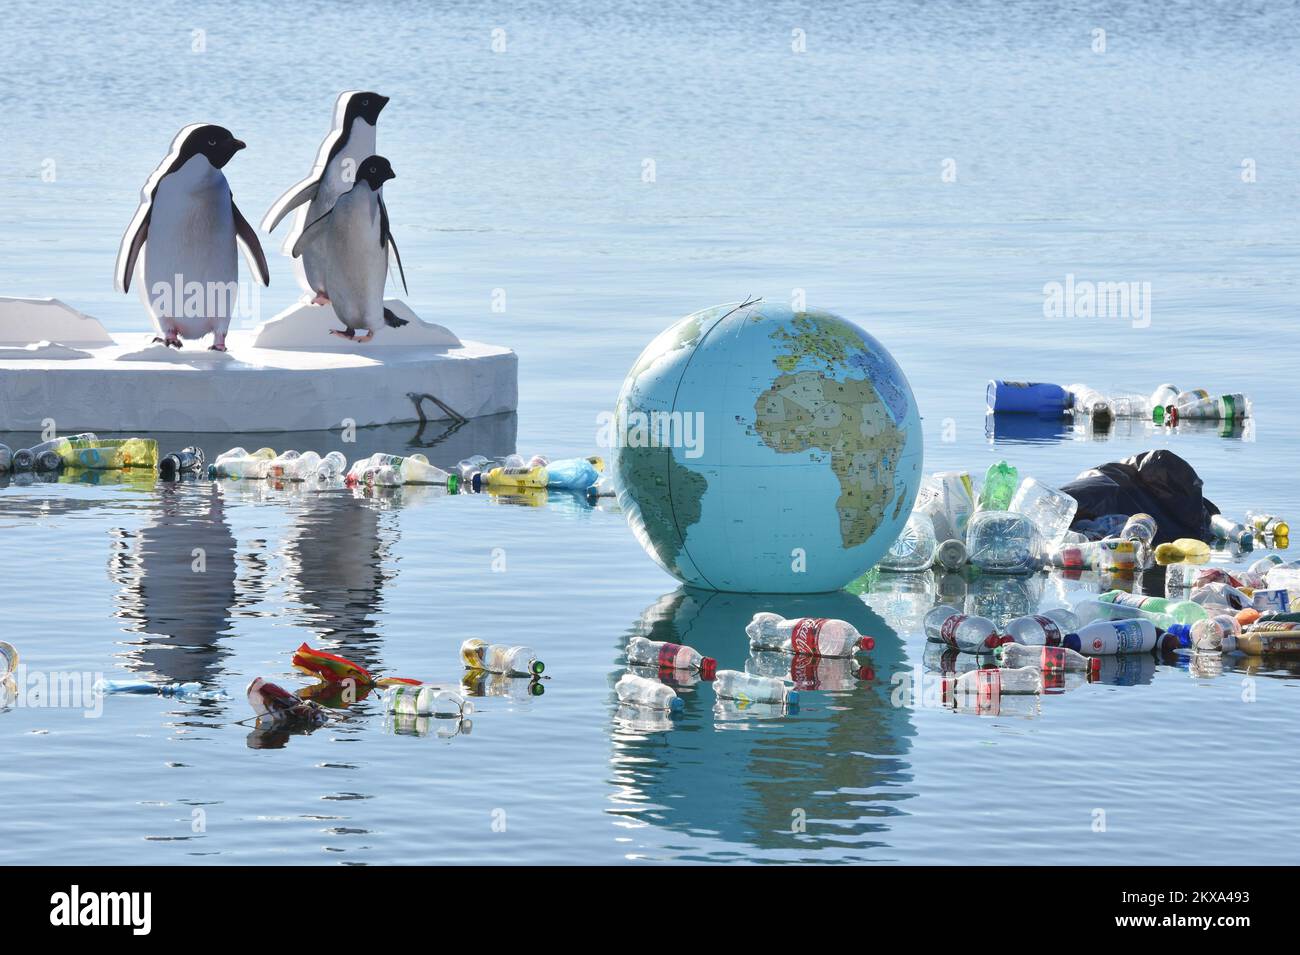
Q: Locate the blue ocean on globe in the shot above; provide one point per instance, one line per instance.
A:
(767, 450)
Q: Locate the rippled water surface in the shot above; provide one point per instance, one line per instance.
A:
(775, 171)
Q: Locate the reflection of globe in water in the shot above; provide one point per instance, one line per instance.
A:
(767, 450)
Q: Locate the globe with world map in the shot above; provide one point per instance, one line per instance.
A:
(766, 450)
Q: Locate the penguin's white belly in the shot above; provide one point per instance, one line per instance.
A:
(335, 181)
(356, 265)
(191, 263)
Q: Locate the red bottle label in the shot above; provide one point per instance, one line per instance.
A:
(1051, 632)
(948, 632)
(668, 654)
(1053, 658)
(803, 638)
(803, 671)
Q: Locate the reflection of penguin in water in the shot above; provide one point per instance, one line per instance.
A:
(179, 586)
(743, 785)
(352, 241)
(351, 140)
(187, 226)
(335, 571)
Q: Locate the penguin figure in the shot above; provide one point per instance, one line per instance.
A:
(351, 139)
(187, 227)
(352, 242)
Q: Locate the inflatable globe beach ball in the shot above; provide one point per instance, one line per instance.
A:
(764, 450)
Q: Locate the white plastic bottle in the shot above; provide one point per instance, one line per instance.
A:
(1046, 629)
(811, 636)
(1106, 637)
(734, 685)
(639, 691)
(969, 634)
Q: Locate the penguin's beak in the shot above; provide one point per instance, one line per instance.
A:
(383, 101)
(238, 144)
(390, 175)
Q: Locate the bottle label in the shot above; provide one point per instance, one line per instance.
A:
(989, 690)
(803, 671)
(948, 632)
(1051, 632)
(668, 654)
(1128, 636)
(1053, 658)
(803, 638)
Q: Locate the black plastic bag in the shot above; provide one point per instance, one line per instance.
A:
(1159, 483)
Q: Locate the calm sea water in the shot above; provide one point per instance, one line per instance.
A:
(1169, 159)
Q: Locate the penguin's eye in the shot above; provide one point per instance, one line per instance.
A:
(365, 102)
(212, 142)
(372, 168)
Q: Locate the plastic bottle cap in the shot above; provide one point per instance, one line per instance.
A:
(792, 698)
(538, 667)
(676, 704)
(866, 673)
(476, 480)
(1071, 641)
(867, 643)
(708, 668)
(1182, 633)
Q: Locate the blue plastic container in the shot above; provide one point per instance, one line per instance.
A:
(1026, 397)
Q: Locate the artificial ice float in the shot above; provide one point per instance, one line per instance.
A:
(288, 374)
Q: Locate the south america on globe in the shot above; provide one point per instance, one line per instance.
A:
(766, 450)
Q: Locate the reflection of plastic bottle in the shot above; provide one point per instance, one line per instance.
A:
(991, 682)
(1226, 529)
(914, 547)
(1014, 655)
(640, 691)
(426, 700)
(644, 652)
(810, 673)
(1052, 510)
(1042, 629)
(999, 487)
(968, 634)
(499, 658)
(734, 685)
(810, 636)
(1000, 542)
(520, 689)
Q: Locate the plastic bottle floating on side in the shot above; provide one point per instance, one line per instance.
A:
(1209, 634)
(1046, 629)
(645, 652)
(186, 692)
(988, 683)
(185, 461)
(1000, 542)
(1257, 521)
(746, 688)
(806, 636)
(471, 465)
(914, 547)
(1110, 555)
(1050, 509)
(969, 634)
(1162, 397)
(999, 487)
(1227, 529)
(1091, 402)
(636, 690)
(1109, 637)
(510, 477)
(1061, 659)
(498, 658)
(333, 465)
(1026, 397)
(8, 659)
(426, 700)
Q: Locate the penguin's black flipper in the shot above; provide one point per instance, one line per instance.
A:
(309, 234)
(245, 234)
(388, 242)
(294, 197)
(392, 321)
(130, 252)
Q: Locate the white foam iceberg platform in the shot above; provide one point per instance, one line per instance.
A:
(289, 374)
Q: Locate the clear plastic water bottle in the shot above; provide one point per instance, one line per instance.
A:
(518, 689)
(914, 547)
(999, 487)
(1140, 528)
(245, 468)
(1227, 529)
(499, 658)
(1050, 509)
(1046, 629)
(1091, 402)
(969, 634)
(1163, 396)
(333, 465)
(186, 692)
(406, 699)
(1207, 634)
(185, 461)
(642, 651)
(1001, 542)
(1015, 656)
(416, 469)
(992, 682)
(639, 691)
(1257, 521)
(951, 555)
(735, 685)
(806, 636)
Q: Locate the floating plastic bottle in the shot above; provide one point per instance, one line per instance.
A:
(510, 477)
(1001, 542)
(470, 465)
(735, 685)
(1227, 529)
(988, 683)
(1257, 521)
(1163, 396)
(186, 692)
(1208, 634)
(999, 487)
(1016, 656)
(6, 458)
(951, 555)
(808, 636)
(645, 652)
(914, 547)
(1181, 611)
(1091, 402)
(8, 658)
(1026, 397)
(426, 700)
(1220, 594)
(333, 465)
(246, 468)
(1051, 509)
(185, 461)
(636, 690)
(499, 658)
(969, 634)
(1111, 555)
(1185, 550)
(1046, 629)
(948, 499)
(1106, 637)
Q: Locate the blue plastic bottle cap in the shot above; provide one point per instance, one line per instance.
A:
(792, 698)
(1071, 642)
(1183, 632)
(676, 704)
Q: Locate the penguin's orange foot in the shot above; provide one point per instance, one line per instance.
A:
(216, 348)
(347, 333)
(320, 299)
(366, 337)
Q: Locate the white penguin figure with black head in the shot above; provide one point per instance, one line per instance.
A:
(185, 235)
(352, 242)
(351, 139)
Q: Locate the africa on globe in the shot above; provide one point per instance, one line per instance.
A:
(766, 450)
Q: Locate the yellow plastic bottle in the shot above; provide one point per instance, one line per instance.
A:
(1185, 550)
(516, 477)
